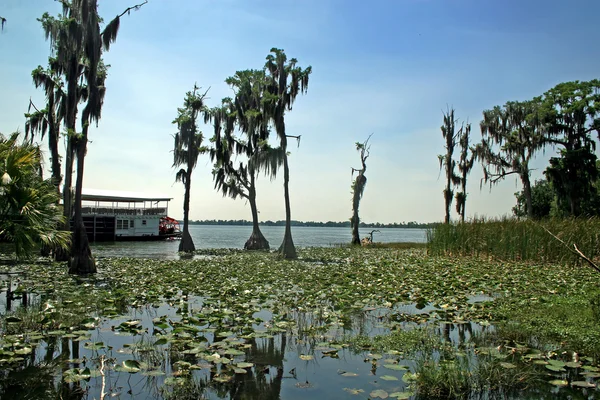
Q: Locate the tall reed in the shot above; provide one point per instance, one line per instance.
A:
(517, 240)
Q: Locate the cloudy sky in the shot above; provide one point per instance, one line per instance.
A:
(387, 67)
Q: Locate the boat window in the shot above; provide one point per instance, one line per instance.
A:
(122, 224)
(143, 222)
(131, 223)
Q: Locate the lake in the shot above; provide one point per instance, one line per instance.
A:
(234, 237)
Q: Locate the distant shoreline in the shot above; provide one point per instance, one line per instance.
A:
(329, 224)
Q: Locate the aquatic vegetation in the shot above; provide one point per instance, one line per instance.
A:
(376, 321)
(517, 240)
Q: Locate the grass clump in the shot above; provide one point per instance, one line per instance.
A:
(517, 240)
(406, 342)
(467, 377)
(567, 322)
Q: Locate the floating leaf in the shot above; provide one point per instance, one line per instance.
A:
(389, 378)
(401, 395)
(244, 365)
(379, 393)
(354, 391)
(396, 367)
(306, 357)
(558, 382)
(583, 384)
(555, 368)
(131, 366)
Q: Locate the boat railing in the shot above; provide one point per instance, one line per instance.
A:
(123, 211)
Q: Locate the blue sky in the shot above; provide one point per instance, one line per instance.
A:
(383, 67)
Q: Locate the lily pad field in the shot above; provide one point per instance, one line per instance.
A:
(338, 323)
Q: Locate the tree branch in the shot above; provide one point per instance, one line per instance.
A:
(129, 9)
(36, 109)
(575, 250)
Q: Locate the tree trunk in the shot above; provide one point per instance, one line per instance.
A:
(81, 261)
(53, 136)
(187, 244)
(527, 192)
(287, 249)
(448, 199)
(70, 119)
(355, 220)
(256, 241)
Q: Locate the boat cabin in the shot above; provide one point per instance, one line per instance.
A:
(114, 215)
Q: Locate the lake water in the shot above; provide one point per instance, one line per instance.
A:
(234, 237)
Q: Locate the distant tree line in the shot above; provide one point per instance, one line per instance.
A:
(328, 224)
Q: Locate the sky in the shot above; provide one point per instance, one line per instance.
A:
(383, 67)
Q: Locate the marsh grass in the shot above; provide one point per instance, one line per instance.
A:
(510, 239)
(466, 377)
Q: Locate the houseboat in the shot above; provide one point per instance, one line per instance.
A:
(114, 216)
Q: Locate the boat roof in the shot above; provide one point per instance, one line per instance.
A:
(121, 196)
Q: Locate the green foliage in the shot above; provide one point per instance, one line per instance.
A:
(569, 322)
(28, 212)
(515, 240)
(465, 164)
(188, 140)
(571, 113)
(542, 197)
(446, 161)
(510, 138)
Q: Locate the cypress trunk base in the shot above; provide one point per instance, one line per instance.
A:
(257, 242)
(287, 250)
(186, 244)
(61, 255)
(81, 261)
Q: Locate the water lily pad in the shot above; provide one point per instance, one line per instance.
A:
(583, 384)
(396, 367)
(409, 377)
(222, 378)
(354, 391)
(402, 395)
(306, 357)
(349, 374)
(555, 368)
(389, 378)
(94, 345)
(234, 352)
(558, 382)
(131, 366)
(379, 394)
(244, 365)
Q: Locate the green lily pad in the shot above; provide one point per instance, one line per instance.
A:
(555, 368)
(131, 366)
(402, 395)
(396, 367)
(389, 378)
(583, 384)
(379, 394)
(559, 382)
